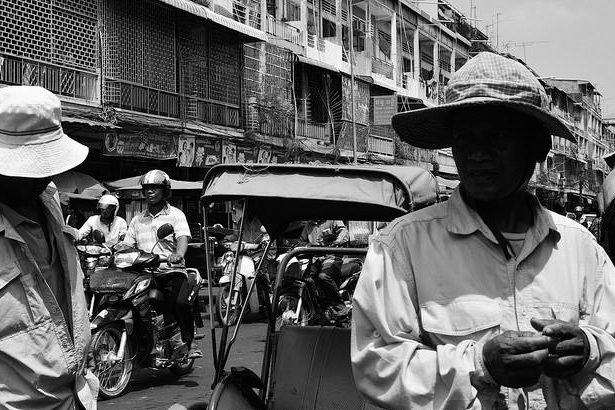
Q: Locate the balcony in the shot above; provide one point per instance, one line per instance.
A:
(283, 30)
(381, 145)
(382, 67)
(315, 130)
(250, 16)
(59, 80)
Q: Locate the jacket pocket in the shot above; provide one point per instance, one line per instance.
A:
(16, 313)
(465, 318)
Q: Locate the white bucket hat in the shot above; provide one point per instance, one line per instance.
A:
(32, 142)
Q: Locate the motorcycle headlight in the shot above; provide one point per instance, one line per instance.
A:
(138, 287)
(125, 259)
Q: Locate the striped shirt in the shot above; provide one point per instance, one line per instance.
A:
(142, 230)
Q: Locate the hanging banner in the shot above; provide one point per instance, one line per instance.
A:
(245, 155)
(197, 152)
(228, 153)
(360, 94)
(207, 153)
(185, 151)
(140, 145)
(264, 155)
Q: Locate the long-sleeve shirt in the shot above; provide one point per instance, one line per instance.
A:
(44, 326)
(436, 286)
(113, 231)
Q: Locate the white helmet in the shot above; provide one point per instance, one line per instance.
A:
(156, 177)
(108, 199)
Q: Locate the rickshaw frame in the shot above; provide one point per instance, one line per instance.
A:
(283, 193)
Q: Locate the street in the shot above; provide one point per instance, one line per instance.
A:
(150, 389)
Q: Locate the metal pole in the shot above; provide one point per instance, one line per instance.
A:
(351, 60)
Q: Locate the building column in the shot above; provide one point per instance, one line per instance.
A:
(436, 61)
(338, 22)
(453, 61)
(394, 46)
(416, 54)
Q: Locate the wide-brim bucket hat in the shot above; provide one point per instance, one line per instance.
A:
(32, 141)
(487, 80)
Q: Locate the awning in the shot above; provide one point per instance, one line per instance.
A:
(132, 183)
(206, 13)
(87, 121)
(316, 63)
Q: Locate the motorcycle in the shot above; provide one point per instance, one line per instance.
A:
(229, 304)
(302, 302)
(92, 256)
(133, 326)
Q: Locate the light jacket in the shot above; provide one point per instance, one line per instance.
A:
(436, 286)
(42, 363)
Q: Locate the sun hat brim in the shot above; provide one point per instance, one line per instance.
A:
(41, 160)
(431, 128)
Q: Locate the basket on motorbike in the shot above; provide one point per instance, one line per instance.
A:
(304, 366)
(111, 280)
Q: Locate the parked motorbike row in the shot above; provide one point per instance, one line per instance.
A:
(129, 323)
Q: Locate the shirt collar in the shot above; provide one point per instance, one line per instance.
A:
(164, 211)
(9, 218)
(464, 220)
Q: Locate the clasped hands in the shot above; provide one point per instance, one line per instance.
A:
(517, 359)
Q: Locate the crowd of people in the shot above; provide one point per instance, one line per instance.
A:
(485, 301)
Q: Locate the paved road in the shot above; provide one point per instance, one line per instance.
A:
(161, 389)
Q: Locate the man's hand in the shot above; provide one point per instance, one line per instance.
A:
(568, 347)
(515, 359)
(176, 258)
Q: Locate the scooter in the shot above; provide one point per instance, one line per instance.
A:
(302, 302)
(93, 255)
(229, 304)
(133, 326)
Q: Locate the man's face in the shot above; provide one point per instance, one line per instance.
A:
(107, 211)
(28, 189)
(154, 194)
(492, 154)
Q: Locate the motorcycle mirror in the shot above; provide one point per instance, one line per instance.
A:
(98, 236)
(164, 231)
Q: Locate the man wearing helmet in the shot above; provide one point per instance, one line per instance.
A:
(156, 187)
(112, 226)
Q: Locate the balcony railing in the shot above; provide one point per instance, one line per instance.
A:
(209, 111)
(283, 30)
(137, 97)
(381, 145)
(382, 67)
(315, 42)
(247, 15)
(57, 79)
(316, 130)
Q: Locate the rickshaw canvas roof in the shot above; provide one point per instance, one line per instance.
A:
(282, 193)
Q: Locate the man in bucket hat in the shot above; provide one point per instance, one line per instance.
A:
(487, 300)
(44, 327)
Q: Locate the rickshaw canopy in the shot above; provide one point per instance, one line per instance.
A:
(281, 193)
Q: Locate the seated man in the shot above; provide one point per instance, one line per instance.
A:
(325, 269)
(156, 186)
(112, 226)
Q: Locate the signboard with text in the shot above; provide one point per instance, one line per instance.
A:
(385, 107)
(140, 145)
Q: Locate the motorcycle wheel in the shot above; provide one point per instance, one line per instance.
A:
(287, 308)
(112, 374)
(228, 315)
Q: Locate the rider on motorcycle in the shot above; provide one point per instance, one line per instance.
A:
(254, 238)
(112, 226)
(325, 269)
(156, 187)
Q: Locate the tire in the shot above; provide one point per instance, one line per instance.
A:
(287, 306)
(113, 375)
(181, 369)
(228, 316)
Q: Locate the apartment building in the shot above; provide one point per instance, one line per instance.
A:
(575, 172)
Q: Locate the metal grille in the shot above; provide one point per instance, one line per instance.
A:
(61, 32)
(224, 66)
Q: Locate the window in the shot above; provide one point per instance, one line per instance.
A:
(328, 28)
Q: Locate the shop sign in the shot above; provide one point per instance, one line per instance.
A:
(197, 152)
(385, 107)
(140, 145)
